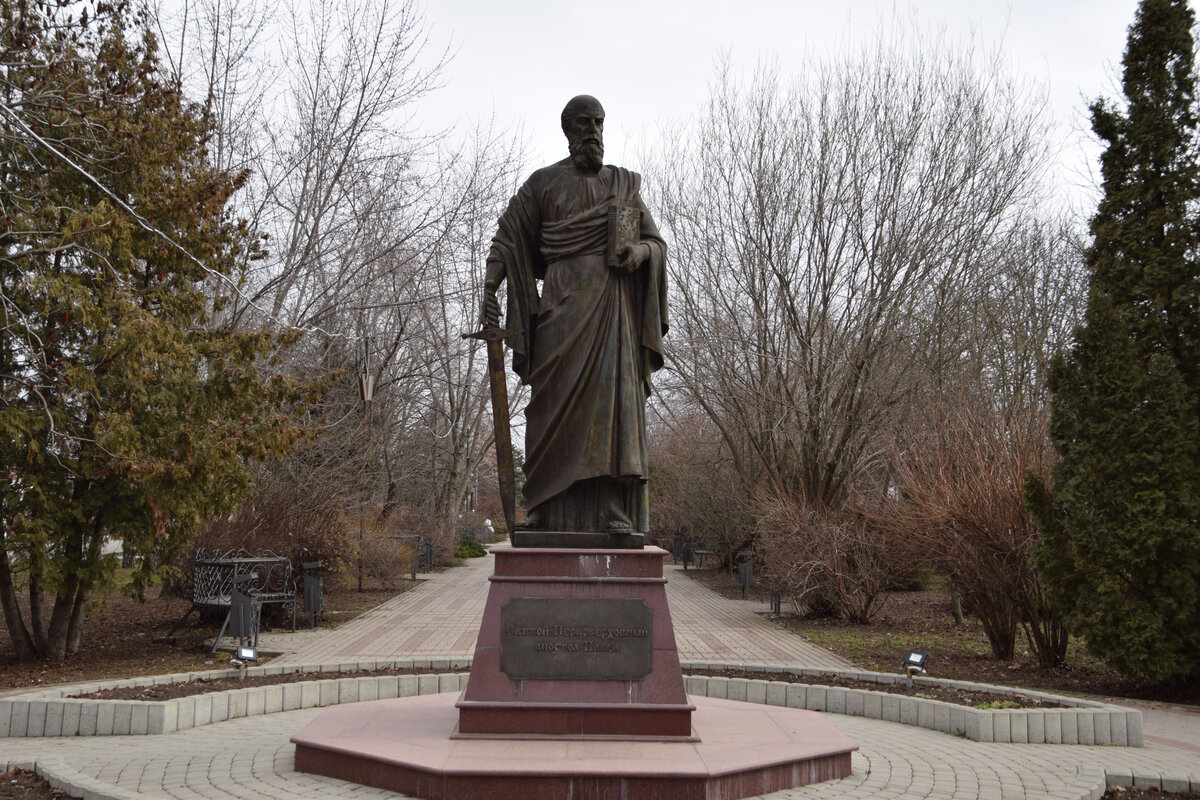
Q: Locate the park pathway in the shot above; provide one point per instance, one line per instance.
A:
(252, 757)
(440, 619)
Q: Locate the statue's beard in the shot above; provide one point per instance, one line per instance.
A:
(587, 155)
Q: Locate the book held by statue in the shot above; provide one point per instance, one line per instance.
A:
(624, 227)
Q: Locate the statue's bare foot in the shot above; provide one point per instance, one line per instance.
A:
(618, 526)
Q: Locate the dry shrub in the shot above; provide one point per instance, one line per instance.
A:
(429, 526)
(383, 557)
(693, 492)
(960, 508)
(833, 562)
(282, 518)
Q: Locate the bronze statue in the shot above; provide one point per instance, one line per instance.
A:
(587, 342)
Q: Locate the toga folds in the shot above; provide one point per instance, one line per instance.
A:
(591, 336)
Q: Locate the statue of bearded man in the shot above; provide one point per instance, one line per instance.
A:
(590, 337)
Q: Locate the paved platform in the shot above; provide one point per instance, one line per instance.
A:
(252, 757)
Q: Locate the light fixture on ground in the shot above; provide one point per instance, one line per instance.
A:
(245, 654)
(914, 663)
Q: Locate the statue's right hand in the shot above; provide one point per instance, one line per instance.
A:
(489, 310)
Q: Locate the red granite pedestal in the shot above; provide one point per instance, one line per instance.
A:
(576, 643)
(575, 691)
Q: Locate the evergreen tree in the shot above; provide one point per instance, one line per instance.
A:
(125, 414)
(1120, 548)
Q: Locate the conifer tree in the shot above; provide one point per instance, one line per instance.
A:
(1120, 550)
(125, 413)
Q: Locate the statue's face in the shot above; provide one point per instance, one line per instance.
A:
(585, 135)
(586, 126)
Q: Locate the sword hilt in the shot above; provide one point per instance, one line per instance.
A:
(491, 334)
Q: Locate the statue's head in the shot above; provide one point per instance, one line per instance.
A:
(583, 123)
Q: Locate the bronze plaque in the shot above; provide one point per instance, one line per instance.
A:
(559, 638)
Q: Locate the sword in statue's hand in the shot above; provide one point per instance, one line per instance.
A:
(494, 335)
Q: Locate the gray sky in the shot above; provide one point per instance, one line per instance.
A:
(650, 61)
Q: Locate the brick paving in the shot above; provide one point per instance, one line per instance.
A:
(440, 619)
(709, 627)
(252, 758)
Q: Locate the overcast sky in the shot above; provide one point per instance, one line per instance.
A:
(652, 60)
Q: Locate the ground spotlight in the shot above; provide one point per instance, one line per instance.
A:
(914, 663)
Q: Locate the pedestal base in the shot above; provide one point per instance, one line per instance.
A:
(576, 642)
(406, 745)
(574, 540)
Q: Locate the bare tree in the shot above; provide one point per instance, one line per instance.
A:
(346, 178)
(374, 239)
(960, 509)
(817, 226)
(960, 459)
(217, 50)
(439, 438)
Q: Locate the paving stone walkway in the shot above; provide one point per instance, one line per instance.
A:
(252, 758)
(440, 619)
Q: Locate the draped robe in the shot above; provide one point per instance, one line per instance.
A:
(591, 337)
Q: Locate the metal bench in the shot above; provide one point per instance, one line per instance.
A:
(262, 575)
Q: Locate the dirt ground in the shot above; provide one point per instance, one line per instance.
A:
(22, 785)
(120, 634)
(921, 620)
(119, 638)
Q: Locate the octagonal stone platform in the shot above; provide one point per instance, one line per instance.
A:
(407, 745)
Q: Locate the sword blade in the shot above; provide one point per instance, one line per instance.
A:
(504, 454)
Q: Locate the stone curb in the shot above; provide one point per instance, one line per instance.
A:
(74, 783)
(1083, 722)
(333, 690)
(50, 712)
(1101, 779)
(70, 781)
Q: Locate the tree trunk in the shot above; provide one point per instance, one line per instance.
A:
(956, 609)
(75, 625)
(17, 632)
(37, 623)
(57, 634)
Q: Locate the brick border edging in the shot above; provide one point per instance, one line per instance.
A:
(49, 712)
(64, 777)
(1124, 777)
(1083, 722)
(72, 782)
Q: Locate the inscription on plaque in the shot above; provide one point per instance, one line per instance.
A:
(560, 638)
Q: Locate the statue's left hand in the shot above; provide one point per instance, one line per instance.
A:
(633, 256)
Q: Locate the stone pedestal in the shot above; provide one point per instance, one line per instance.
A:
(406, 746)
(576, 643)
(575, 691)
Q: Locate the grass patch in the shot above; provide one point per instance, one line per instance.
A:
(922, 620)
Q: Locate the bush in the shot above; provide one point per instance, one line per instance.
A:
(960, 510)
(833, 562)
(384, 558)
(466, 547)
(281, 518)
